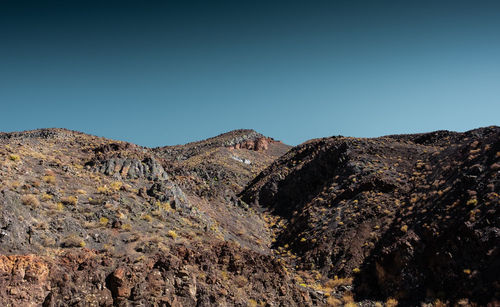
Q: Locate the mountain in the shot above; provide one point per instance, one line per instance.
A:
(412, 217)
(241, 219)
(91, 221)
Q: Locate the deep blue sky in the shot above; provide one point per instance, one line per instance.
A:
(160, 73)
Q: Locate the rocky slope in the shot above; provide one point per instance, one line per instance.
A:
(413, 217)
(241, 220)
(90, 221)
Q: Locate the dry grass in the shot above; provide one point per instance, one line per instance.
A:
(14, 158)
(30, 200)
(391, 302)
(46, 197)
(103, 221)
(172, 234)
(69, 200)
(334, 283)
(51, 179)
(333, 301)
(73, 240)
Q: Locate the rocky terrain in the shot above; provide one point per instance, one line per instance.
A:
(241, 219)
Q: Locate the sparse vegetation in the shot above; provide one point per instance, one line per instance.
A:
(172, 234)
(147, 218)
(46, 197)
(14, 158)
(69, 200)
(51, 179)
(104, 190)
(73, 240)
(103, 221)
(391, 302)
(116, 185)
(30, 200)
(322, 218)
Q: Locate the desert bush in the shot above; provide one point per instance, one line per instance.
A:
(333, 301)
(103, 221)
(172, 234)
(73, 240)
(14, 158)
(117, 185)
(147, 217)
(391, 302)
(69, 200)
(46, 197)
(30, 200)
(472, 202)
(59, 206)
(51, 179)
(104, 190)
(334, 283)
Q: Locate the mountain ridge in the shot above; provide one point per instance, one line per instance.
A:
(242, 219)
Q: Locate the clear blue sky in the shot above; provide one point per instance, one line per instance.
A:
(161, 73)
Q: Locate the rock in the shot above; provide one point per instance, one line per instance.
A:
(166, 191)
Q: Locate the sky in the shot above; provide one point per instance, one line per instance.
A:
(161, 73)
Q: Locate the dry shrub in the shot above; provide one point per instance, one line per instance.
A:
(30, 200)
(69, 200)
(73, 240)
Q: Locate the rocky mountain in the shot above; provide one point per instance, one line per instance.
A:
(241, 219)
(412, 217)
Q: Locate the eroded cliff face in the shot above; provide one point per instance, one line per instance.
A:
(241, 220)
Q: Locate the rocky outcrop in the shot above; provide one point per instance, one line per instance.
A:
(221, 275)
(259, 144)
(166, 191)
(24, 280)
(131, 168)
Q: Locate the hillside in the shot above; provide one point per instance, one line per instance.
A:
(92, 221)
(241, 219)
(413, 217)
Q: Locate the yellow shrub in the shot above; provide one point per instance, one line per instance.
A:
(69, 200)
(46, 197)
(60, 206)
(172, 234)
(472, 202)
(147, 217)
(252, 303)
(14, 158)
(117, 185)
(104, 190)
(103, 221)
